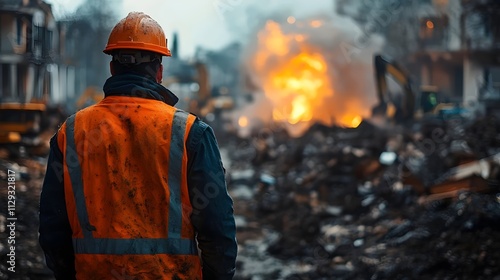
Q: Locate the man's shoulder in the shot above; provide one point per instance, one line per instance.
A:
(198, 127)
(198, 132)
(197, 123)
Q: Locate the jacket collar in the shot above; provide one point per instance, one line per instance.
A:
(134, 85)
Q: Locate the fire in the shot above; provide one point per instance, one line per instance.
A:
(297, 83)
(351, 121)
(298, 80)
(273, 40)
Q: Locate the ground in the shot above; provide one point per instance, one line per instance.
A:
(318, 207)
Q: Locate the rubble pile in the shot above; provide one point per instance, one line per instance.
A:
(417, 202)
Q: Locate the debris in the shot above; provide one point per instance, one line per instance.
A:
(370, 203)
(340, 203)
(388, 158)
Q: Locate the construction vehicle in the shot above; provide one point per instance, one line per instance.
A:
(408, 105)
(21, 122)
(28, 73)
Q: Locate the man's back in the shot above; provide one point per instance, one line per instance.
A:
(133, 176)
(134, 184)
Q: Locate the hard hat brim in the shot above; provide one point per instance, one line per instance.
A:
(137, 46)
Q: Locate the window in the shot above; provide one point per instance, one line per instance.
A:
(37, 40)
(433, 31)
(48, 40)
(37, 35)
(19, 28)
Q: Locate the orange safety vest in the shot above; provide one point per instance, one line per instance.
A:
(125, 183)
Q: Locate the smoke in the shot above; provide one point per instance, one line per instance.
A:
(244, 18)
(347, 50)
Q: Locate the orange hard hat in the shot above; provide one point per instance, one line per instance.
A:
(137, 31)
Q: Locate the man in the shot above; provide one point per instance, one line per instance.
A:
(134, 185)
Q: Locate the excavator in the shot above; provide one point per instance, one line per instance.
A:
(407, 105)
(26, 127)
(21, 122)
(24, 123)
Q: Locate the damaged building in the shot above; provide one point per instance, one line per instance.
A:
(448, 46)
(28, 51)
(44, 69)
(40, 57)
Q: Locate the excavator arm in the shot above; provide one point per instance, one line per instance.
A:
(399, 109)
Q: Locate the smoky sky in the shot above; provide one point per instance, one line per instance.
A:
(209, 24)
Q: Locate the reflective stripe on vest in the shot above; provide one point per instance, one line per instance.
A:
(174, 172)
(75, 173)
(172, 245)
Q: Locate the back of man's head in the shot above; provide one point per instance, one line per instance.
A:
(137, 44)
(143, 63)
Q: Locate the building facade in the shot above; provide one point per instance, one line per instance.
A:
(40, 59)
(449, 44)
(28, 48)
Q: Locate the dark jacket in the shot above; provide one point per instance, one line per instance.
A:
(212, 215)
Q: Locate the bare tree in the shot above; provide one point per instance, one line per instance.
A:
(99, 17)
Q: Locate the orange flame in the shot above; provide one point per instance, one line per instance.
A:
(296, 78)
(296, 84)
(351, 121)
(300, 81)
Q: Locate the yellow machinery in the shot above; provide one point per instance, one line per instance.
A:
(388, 104)
(20, 122)
(408, 105)
(23, 123)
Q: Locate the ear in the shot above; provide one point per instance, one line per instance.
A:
(159, 74)
(111, 69)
